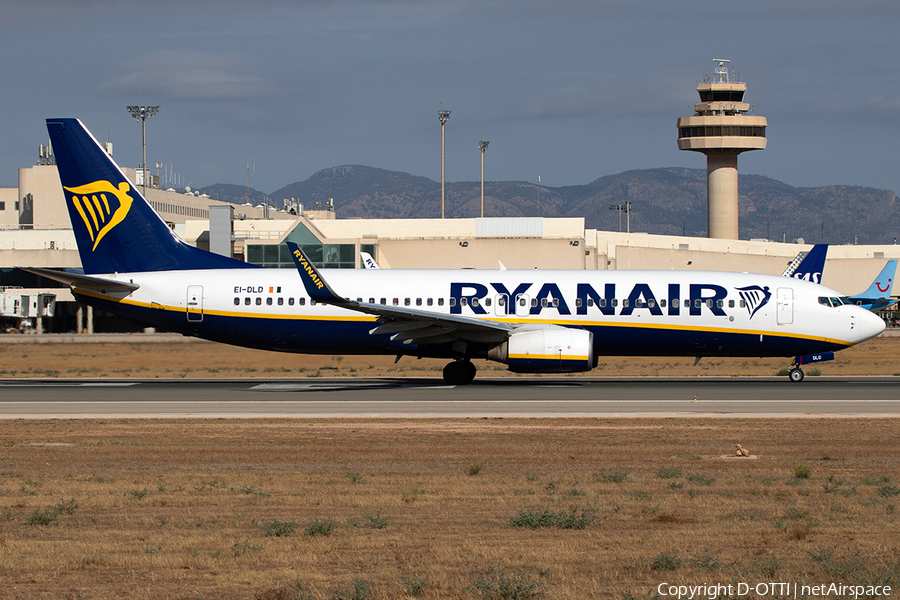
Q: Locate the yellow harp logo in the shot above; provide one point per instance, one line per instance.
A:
(93, 204)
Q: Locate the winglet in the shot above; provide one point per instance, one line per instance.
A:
(315, 286)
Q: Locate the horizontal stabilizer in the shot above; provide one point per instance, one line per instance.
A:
(84, 282)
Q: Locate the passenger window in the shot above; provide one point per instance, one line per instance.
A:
(406, 302)
(247, 301)
(731, 304)
(625, 303)
(281, 302)
(302, 301)
(371, 300)
(474, 301)
(601, 304)
(522, 301)
(463, 301)
(312, 302)
(662, 303)
(418, 302)
(543, 302)
(697, 303)
(487, 301)
(534, 302)
(291, 301)
(743, 303)
(429, 302)
(638, 303)
(269, 301)
(384, 300)
(237, 301)
(720, 303)
(577, 302)
(396, 301)
(440, 301)
(258, 301)
(555, 302)
(590, 302)
(651, 303)
(452, 301)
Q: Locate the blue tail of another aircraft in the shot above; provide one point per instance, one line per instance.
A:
(810, 269)
(878, 296)
(116, 229)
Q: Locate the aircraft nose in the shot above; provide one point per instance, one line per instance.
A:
(868, 325)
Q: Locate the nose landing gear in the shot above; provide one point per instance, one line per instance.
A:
(796, 374)
(459, 372)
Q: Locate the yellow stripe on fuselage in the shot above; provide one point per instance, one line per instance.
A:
(560, 322)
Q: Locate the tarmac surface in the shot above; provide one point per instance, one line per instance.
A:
(428, 398)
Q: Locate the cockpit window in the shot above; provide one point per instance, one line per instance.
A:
(833, 302)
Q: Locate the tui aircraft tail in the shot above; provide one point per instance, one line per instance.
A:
(883, 284)
(116, 229)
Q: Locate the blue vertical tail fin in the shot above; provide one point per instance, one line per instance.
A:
(116, 229)
(810, 269)
(884, 283)
(878, 295)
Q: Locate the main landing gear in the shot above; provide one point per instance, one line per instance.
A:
(459, 372)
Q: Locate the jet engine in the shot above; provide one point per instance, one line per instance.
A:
(547, 350)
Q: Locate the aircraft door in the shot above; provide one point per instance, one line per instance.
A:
(523, 305)
(784, 306)
(195, 303)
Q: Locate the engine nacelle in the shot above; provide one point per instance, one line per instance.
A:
(547, 350)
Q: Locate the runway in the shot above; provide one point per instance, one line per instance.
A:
(500, 397)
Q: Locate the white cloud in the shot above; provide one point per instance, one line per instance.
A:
(191, 76)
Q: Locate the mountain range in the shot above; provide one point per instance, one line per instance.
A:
(670, 201)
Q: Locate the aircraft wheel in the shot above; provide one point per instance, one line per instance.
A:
(455, 373)
(470, 371)
(796, 374)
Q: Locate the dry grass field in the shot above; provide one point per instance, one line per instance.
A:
(445, 509)
(467, 508)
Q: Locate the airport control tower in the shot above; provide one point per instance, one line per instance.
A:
(721, 129)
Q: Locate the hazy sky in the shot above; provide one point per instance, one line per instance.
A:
(570, 90)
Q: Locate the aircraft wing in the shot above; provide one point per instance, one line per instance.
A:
(410, 325)
(84, 282)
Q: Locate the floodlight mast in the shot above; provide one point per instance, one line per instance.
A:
(444, 116)
(483, 146)
(142, 112)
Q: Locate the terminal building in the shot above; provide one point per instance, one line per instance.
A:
(35, 231)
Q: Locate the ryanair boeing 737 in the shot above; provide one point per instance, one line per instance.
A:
(552, 321)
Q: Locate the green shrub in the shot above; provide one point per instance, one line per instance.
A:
(475, 468)
(887, 491)
(43, 517)
(802, 471)
(276, 528)
(668, 472)
(414, 586)
(701, 479)
(321, 527)
(66, 507)
(617, 476)
(361, 591)
(505, 584)
(665, 561)
(549, 518)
